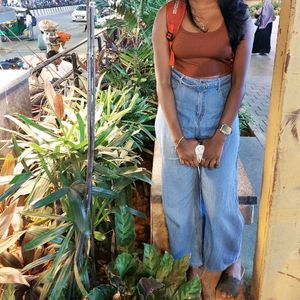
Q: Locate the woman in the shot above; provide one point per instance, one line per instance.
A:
(199, 101)
(262, 39)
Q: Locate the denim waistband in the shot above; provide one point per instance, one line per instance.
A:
(207, 82)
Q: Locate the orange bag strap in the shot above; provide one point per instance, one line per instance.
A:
(176, 10)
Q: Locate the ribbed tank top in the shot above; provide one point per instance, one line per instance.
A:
(199, 54)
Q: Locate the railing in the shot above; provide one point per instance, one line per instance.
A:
(45, 63)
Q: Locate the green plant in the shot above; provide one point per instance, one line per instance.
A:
(155, 277)
(133, 63)
(244, 119)
(50, 178)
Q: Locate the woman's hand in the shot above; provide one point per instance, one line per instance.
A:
(186, 152)
(213, 151)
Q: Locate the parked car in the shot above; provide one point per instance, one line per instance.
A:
(79, 14)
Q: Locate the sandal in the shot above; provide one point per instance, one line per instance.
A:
(230, 285)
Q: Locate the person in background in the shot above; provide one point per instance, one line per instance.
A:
(29, 26)
(57, 69)
(265, 18)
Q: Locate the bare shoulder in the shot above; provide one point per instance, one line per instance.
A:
(249, 25)
(160, 20)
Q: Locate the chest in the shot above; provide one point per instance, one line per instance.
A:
(214, 44)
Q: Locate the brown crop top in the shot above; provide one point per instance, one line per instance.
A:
(199, 54)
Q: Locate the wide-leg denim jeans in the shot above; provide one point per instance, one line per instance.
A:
(201, 205)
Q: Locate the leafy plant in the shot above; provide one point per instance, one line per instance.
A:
(50, 178)
(244, 119)
(156, 277)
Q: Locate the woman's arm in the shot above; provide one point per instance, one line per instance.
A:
(239, 73)
(214, 146)
(186, 148)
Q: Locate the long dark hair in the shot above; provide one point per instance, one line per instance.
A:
(235, 14)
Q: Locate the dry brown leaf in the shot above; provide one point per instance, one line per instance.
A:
(55, 100)
(10, 260)
(7, 169)
(17, 222)
(11, 275)
(50, 93)
(6, 218)
(59, 105)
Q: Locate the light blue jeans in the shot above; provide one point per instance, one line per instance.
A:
(201, 205)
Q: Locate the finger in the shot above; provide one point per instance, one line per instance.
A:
(186, 163)
(217, 165)
(212, 163)
(203, 162)
(195, 163)
(207, 162)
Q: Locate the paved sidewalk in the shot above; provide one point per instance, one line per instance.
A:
(258, 90)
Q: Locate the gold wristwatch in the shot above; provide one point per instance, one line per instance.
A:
(225, 129)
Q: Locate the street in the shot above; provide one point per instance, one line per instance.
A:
(24, 47)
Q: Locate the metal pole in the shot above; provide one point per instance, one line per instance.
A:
(91, 8)
(75, 69)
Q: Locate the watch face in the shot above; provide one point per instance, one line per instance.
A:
(225, 129)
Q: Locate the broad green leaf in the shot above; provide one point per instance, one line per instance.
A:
(9, 292)
(124, 227)
(62, 280)
(9, 241)
(78, 212)
(62, 253)
(38, 262)
(50, 198)
(102, 292)
(12, 275)
(17, 181)
(36, 125)
(47, 236)
(125, 264)
(103, 192)
(103, 137)
(178, 273)
(151, 260)
(38, 148)
(165, 267)
(189, 290)
(136, 213)
(17, 149)
(78, 278)
(81, 127)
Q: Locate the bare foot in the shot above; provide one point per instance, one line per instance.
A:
(209, 283)
(231, 281)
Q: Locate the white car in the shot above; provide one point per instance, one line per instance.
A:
(79, 14)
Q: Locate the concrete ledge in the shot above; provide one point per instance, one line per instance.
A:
(14, 98)
(159, 232)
